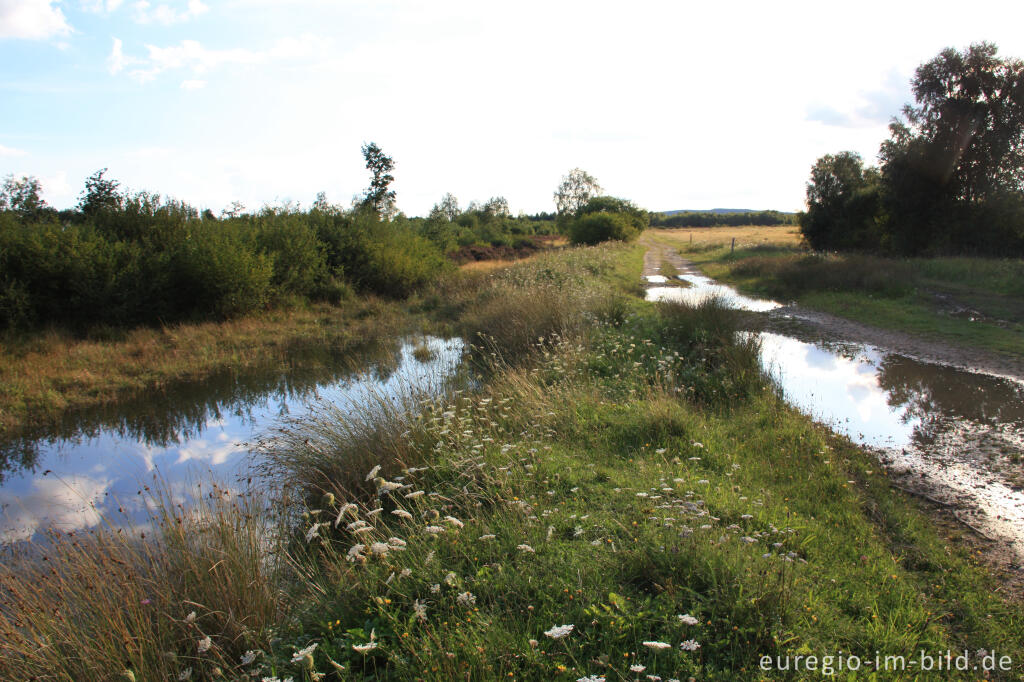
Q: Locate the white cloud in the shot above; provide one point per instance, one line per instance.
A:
(32, 19)
(115, 62)
(67, 504)
(191, 55)
(193, 85)
(10, 152)
(145, 13)
(98, 6)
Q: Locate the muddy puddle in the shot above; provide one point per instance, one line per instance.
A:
(954, 436)
(91, 467)
(700, 289)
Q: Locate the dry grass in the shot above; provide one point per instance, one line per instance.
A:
(103, 602)
(747, 235)
(54, 371)
(499, 264)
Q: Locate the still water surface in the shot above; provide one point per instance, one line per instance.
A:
(96, 461)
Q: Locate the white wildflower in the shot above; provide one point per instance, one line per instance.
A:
(466, 599)
(526, 548)
(433, 530)
(402, 514)
(191, 617)
(388, 486)
(485, 538)
(687, 619)
(314, 531)
(373, 473)
(397, 543)
(637, 668)
(454, 521)
(204, 644)
(184, 675)
(559, 631)
(356, 525)
(304, 654)
(657, 645)
(364, 648)
(435, 588)
(414, 495)
(420, 609)
(451, 579)
(689, 645)
(380, 549)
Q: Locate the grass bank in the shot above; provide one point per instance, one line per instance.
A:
(623, 495)
(970, 302)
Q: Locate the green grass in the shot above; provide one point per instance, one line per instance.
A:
(634, 469)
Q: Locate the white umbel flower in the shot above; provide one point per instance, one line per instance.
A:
(559, 631)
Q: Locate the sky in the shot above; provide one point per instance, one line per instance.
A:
(674, 105)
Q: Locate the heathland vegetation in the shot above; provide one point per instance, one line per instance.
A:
(621, 493)
(131, 290)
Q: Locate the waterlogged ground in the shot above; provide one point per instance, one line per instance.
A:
(952, 434)
(95, 464)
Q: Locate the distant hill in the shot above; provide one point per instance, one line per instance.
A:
(722, 210)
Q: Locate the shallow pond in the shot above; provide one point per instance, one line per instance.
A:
(96, 461)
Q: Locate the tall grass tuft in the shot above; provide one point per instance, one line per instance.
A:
(109, 604)
(726, 365)
(331, 449)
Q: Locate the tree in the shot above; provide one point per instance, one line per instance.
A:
(22, 196)
(575, 190)
(236, 209)
(380, 166)
(497, 206)
(100, 195)
(842, 203)
(447, 209)
(966, 132)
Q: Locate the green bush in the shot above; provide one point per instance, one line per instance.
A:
(216, 274)
(594, 228)
(299, 257)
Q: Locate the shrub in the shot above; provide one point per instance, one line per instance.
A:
(594, 228)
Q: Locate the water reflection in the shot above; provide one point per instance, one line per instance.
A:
(702, 288)
(94, 464)
(888, 400)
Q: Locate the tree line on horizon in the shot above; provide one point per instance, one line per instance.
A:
(950, 178)
(120, 258)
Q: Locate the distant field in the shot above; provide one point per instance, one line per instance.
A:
(746, 236)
